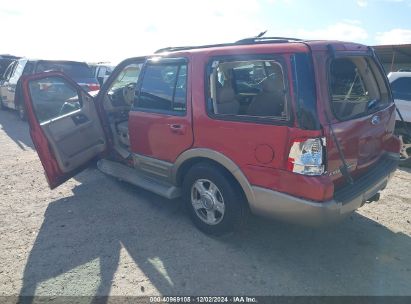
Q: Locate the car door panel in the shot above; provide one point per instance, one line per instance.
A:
(74, 143)
(66, 139)
(160, 136)
(160, 123)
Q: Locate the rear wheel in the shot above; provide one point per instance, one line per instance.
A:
(404, 134)
(214, 200)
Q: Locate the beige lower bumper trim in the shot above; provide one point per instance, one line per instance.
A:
(292, 209)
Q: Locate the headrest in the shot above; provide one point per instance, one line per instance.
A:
(273, 84)
(226, 94)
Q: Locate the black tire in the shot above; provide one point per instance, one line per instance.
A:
(236, 209)
(21, 112)
(405, 134)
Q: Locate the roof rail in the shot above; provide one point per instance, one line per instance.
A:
(181, 48)
(256, 40)
(246, 41)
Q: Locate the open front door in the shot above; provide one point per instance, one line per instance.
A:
(64, 125)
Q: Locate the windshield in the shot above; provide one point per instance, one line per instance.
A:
(128, 75)
(72, 69)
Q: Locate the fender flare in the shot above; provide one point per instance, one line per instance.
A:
(218, 158)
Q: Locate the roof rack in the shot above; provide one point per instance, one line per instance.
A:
(246, 41)
(256, 40)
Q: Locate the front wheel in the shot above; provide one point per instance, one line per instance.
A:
(405, 152)
(214, 200)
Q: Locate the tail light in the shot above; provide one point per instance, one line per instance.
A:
(307, 156)
(93, 86)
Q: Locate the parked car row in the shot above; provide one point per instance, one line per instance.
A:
(10, 93)
(301, 131)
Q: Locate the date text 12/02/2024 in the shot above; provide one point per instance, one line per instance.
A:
(203, 299)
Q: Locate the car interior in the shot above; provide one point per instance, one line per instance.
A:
(249, 88)
(117, 104)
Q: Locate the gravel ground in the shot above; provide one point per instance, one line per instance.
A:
(96, 236)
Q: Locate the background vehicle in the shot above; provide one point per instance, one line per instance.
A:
(10, 95)
(254, 125)
(401, 90)
(101, 71)
(5, 61)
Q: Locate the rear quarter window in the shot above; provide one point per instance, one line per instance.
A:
(357, 87)
(248, 89)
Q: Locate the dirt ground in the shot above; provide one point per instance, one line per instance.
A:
(97, 236)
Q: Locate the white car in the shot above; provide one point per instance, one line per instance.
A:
(401, 90)
(101, 71)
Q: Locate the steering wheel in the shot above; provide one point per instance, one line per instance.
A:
(128, 93)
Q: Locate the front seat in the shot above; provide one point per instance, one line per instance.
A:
(226, 101)
(270, 102)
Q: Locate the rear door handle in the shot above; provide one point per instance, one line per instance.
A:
(177, 129)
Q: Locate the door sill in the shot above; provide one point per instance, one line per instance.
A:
(139, 179)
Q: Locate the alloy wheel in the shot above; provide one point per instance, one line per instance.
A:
(207, 201)
(405, 152)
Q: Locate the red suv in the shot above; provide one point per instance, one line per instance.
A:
(301, 131)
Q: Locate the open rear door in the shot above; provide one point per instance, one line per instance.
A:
(64, 125)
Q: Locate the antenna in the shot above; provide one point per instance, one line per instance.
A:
(261, 34)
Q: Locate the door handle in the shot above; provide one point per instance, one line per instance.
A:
(79, 119)
(177, 129)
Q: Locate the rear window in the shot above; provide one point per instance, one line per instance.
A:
(357, 87)
(72, 69)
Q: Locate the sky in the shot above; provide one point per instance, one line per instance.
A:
(88, 30)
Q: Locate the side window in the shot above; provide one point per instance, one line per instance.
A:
(9, 71)
(164, 88)
(53, 97)
(249, 89)
(401, 88)
(18, 71)
(356, 87)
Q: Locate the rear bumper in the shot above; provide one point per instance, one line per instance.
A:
(346, 200)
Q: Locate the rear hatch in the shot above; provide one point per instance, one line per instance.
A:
(361, 115)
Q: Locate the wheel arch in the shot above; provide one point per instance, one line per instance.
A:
(193, 156)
